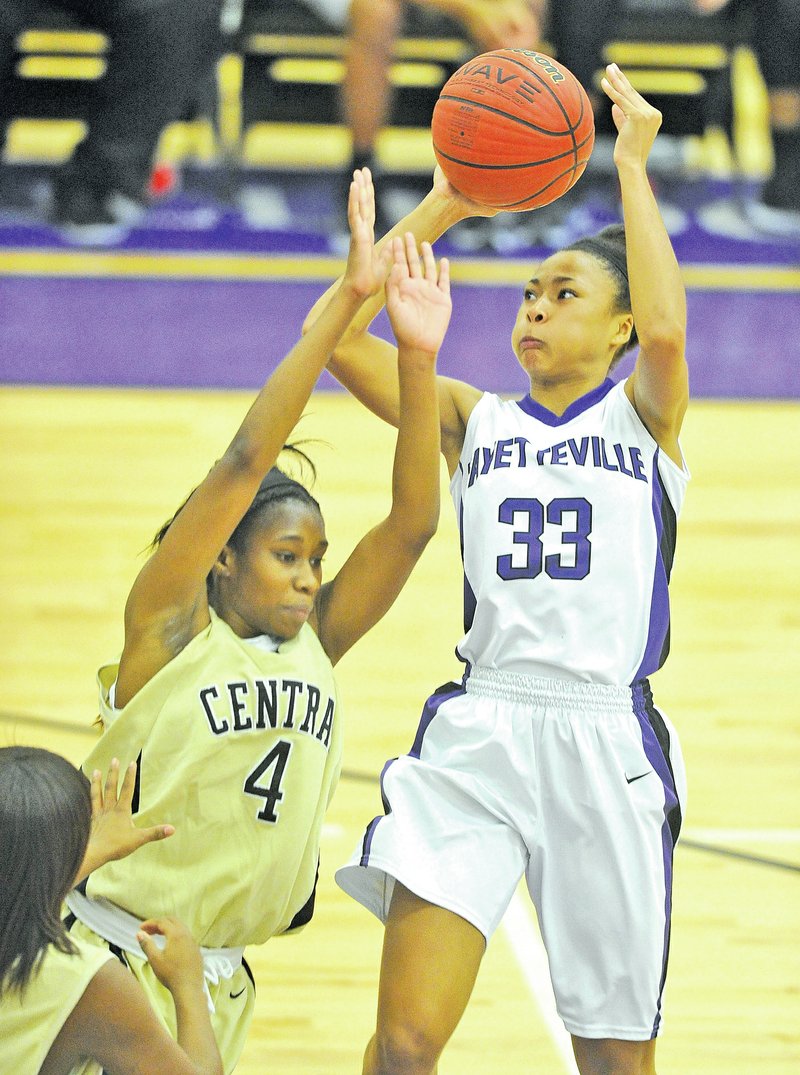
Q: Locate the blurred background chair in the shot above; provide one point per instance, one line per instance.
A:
(260, 92)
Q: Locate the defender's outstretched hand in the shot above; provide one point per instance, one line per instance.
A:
(113, 834)
(366, 269)
(418, 295)
(637, 122)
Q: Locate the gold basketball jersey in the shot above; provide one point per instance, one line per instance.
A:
(30, 1022)
(240, 749)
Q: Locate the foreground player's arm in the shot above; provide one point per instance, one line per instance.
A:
(113, 834)
(115, 1025)
(367, 365)
(366, 586)
(167, 605)
(659, 384)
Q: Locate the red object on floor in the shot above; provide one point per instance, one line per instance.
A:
(163, 180)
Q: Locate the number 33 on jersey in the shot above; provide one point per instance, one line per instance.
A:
(552, 505)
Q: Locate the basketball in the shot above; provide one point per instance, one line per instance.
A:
(513, 129)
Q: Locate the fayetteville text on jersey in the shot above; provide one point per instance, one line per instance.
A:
(587, 451)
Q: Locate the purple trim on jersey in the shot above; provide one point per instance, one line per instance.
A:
(470, 604)
(536, 410)
(657, 645)
(470, 601)
(655, 739)
(429, 711)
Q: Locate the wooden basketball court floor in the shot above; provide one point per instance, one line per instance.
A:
(91, 473)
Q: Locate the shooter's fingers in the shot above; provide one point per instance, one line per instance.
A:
(618, 87)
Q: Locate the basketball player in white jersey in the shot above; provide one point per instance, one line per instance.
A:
(549, 759)
(225, 693)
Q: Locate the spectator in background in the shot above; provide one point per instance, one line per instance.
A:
(159, 51)
(775, 40)
(375, 25)
(578, 30)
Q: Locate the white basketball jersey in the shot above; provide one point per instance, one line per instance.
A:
(568, 534)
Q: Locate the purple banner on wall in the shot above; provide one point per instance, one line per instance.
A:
(231, 334)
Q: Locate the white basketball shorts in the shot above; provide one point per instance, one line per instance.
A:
(579, 787)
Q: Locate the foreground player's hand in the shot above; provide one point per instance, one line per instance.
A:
(418, 295)
(176, 960)
(709, 7)
(113, 834)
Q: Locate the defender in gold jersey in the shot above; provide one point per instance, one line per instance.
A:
(224, 693)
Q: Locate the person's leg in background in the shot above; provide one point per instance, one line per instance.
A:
(373, 29)
(579, 29)
(157, 48)
(15, 16)
(777, 46)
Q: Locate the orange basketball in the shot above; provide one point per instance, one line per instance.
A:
(513, 129)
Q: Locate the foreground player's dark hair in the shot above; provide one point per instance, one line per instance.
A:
(45, 818)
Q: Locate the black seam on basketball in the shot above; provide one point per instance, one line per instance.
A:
(524, 63)
(510, 206)
(511, 167)
(551, 89)
(510, 58)
(515, 119)
(499, 55)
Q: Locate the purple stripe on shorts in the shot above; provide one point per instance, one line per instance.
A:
(431, 708)
(366, 844)
(658, 628)
(449, 690)
(655, 739)
(370, 832)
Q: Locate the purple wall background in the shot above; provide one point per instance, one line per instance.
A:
(231, 333)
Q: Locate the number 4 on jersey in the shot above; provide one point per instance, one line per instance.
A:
(275, 764)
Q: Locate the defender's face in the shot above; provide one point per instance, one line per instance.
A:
(269, 587)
